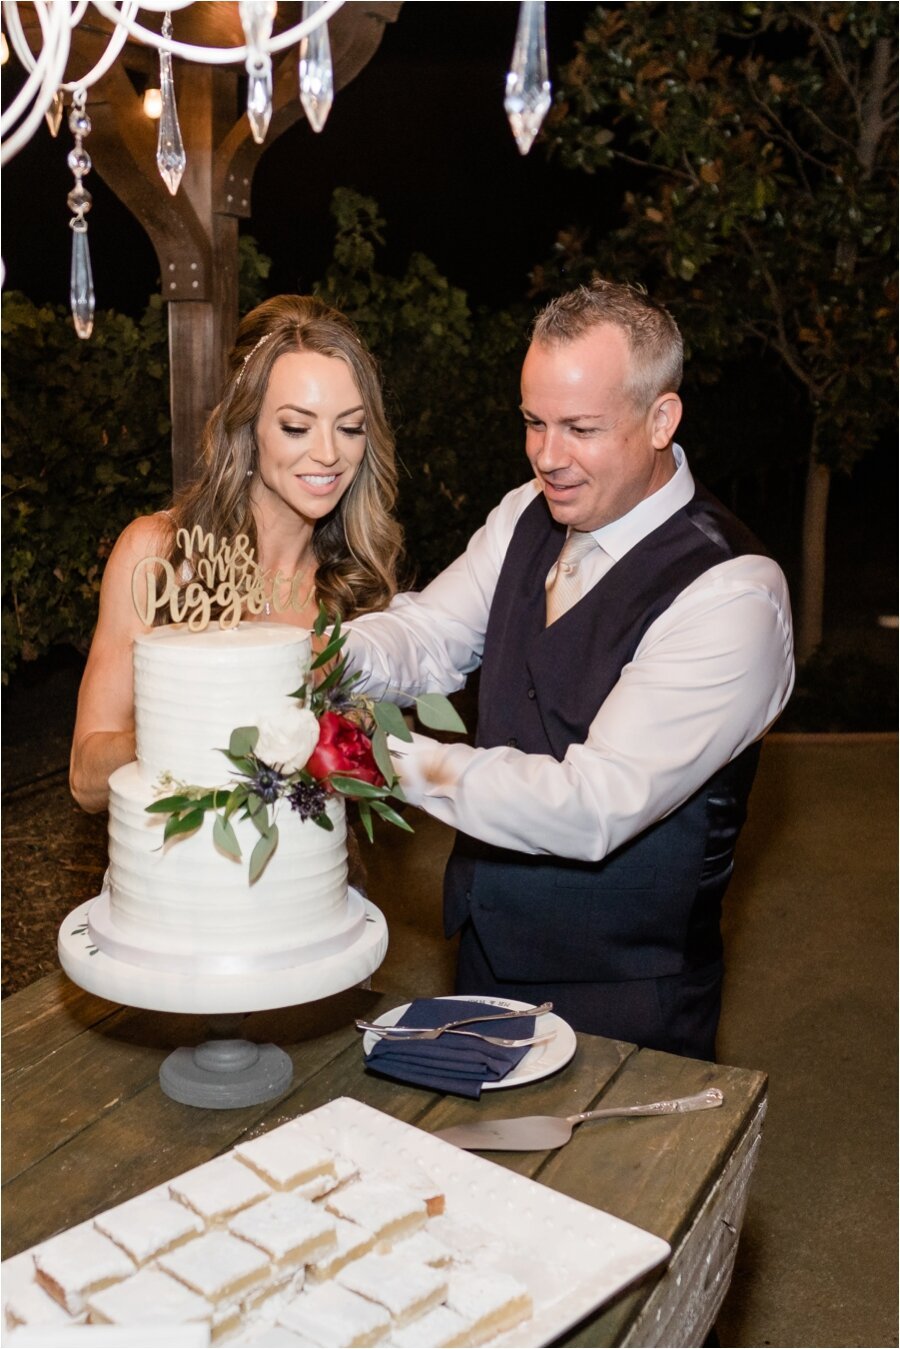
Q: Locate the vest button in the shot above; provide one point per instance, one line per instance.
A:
(512, 742)
(532, 693)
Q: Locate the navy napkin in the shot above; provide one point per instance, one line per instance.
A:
(451, 1063)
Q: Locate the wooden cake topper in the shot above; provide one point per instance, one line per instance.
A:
(222, 573)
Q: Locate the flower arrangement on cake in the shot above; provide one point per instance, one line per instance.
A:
(331, 741)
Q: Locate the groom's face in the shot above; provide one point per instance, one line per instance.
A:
(594, 451)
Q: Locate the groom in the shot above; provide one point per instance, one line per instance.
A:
(635, 644)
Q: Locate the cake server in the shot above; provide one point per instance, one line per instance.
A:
(535, 1133)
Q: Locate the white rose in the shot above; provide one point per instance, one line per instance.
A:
(288, 742)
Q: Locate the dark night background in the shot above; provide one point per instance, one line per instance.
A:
(422, 130)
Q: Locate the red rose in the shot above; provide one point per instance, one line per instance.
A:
(343, 748)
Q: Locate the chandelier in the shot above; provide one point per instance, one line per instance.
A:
(43, 95)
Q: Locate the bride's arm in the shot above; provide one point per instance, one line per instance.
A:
(104, 724)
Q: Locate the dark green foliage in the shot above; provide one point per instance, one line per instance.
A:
(760, 140)
(451, 382)
(85, 450)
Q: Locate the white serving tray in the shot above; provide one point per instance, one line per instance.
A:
(573, 1258)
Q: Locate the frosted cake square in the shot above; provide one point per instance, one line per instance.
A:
(149, 1297)
(219, 1188)
(386, 1210)
(404, 1289)
(335, 1318)
(145, 1228)
(285, 1158)
(351, 1242)
(77, 1263)
(218, 1266)
(290, 1230)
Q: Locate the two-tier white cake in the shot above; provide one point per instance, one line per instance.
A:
(184, 904)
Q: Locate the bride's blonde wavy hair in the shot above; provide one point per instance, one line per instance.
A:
(357, 546)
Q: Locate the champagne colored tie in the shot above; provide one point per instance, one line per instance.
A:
(565, 588)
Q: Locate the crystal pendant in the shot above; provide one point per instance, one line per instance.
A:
(54, 114)
(316, 73)
(259, 102)
(257, 17)
(528, 84)
(170, 157)
(81, 280)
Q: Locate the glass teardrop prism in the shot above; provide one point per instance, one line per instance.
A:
(528, 84)
(171, 159)
(316, 71)
(81, 280)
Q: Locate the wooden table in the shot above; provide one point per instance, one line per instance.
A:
(86, 1126)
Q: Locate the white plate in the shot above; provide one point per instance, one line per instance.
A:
(540, 1061)
(571, 1257)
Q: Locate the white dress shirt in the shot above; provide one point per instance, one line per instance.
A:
(708, 678)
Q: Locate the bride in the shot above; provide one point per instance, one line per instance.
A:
(298, 456)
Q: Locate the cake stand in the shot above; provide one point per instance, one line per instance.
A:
(224, 1072)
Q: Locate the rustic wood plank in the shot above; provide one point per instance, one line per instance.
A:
(656, 1171)
(68, 1089)
(145, 1138)
(46, 1015)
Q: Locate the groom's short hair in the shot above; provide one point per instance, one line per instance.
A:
(653, 337)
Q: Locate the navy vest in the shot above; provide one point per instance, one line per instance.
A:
(652, 907)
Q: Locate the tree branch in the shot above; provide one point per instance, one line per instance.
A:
(658, 168)
(785, 137)
(873, 122)
(832, 53)
(782, 343)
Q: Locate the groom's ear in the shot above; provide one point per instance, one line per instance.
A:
(664, 416)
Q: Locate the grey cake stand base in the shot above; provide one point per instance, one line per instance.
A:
(224, 1072)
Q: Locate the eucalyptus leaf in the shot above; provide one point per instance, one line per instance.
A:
(327, 654)
(259, 814)
(382, 757)
(243, 741)
(355, 787)
(168, 805)
(236, 799)
(262, 852)
(225, 838)
(365, 817)
(438, 713)
(245, 766)
(182, 824)
(390, 719)
(387, 813)
(334, 677)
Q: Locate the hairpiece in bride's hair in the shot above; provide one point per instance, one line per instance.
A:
(252, 352)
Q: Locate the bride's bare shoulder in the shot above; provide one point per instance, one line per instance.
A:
(147, 536)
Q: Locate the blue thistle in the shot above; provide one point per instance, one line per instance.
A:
(308, 799)
(266, 783)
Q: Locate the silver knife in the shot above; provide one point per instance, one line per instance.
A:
(535, 1133)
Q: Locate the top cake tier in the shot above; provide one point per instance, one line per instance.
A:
(192, 689)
